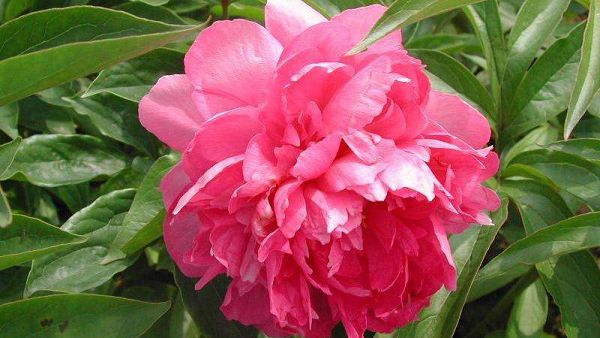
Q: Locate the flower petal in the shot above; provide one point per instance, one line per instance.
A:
(285, 19)
(169, 113)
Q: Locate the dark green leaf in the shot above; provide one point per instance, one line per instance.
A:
(54, 160)
(133, 79)
(144, 219)
(588, 75)
(27, 238)
(44, 44)
(203, 306)
(446, 43)
(155, 13)
(574, 234)
(79, 268)
(35, 114)
(76, 316)
(485, 18)
(11, 283)
(116, 118)
(404, 12)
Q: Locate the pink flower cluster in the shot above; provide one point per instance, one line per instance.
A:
(323, 184)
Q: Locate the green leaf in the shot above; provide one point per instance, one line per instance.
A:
(485, 18)
(27, 238)
(79, 268)
(586, 148)
(203, 306)
(458, 77)
(75, 316)
(8, 151)
(5, 212)
(133, 79)
(54, 160)
(152, 2)
(11, 283)
(588, 75)
(571, 173)
(446, 43)
(155, 13)
(544, 91)
(535, 23)
(147, 211)
(537, 203)
(539, 206)
(116, 118)
(571, 235)
(529, 313)
(404, 12)
(9, 117)
(536, 139)
(469, 249)
(44, 44)
(36, 114)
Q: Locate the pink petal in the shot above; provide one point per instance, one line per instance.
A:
(231, 63)
(361, 99)
(285, 19)
(317, 158)
(459, 118)
(169, 113)
(223, 136)
(406, 171)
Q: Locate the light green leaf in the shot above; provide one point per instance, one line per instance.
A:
(458, 77)
(574, 234)
(55, 160)
(588, 75)
(79, 268)
(469, 249)
(9, 117)
(39, 48)
(27, 238)
(586, 148)
(116, 118)
(76, 316)
(153, 2)
(5, 212)
(404, 12)
(529, 313)
(147, 211)
(545, 90)
(535, 23)
(133, 79)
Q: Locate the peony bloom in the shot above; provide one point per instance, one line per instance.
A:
(323, 184)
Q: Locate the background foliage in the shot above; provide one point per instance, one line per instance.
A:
(81, 253)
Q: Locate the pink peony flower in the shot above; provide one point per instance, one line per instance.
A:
(323, 184)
